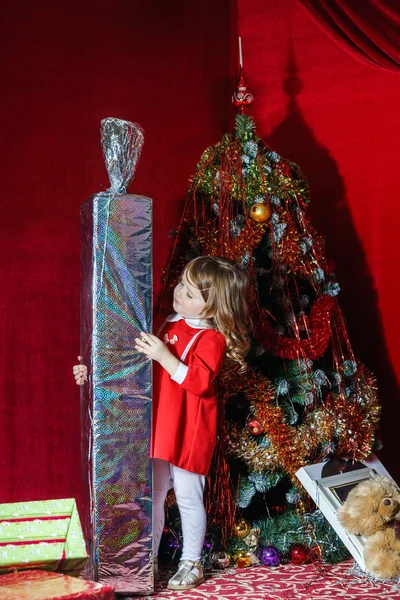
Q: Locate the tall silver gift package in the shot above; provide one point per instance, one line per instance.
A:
(116, 305)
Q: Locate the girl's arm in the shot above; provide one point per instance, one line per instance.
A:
(155, 349)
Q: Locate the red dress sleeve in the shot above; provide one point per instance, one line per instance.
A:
(205, 363)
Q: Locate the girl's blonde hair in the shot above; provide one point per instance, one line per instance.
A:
(223, 286)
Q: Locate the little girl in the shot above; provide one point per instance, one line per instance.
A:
(207, 332)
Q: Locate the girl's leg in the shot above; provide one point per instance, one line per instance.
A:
(162, 482)
(189, 489)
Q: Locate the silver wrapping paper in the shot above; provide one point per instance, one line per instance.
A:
(122, 143)
(116, 305)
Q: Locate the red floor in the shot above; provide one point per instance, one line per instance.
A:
(287, 582)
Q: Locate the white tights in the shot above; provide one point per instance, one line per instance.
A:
(189, 488)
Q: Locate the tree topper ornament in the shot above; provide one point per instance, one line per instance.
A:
(242, 98)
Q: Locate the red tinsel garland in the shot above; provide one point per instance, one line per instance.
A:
(314, 346)
(219, 494)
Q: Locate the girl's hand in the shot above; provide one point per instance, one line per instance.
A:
(80, 373)
(153, 347)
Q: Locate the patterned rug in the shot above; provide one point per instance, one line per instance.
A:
(288, 582)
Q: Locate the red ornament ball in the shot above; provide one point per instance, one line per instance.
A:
(314, 553)
(260, 212)
(298, 554)
(279, 508)
(254, 427)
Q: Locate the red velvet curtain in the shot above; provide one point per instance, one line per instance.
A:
(338, 119)
(167, 65)
(66, 66)
(368, 29)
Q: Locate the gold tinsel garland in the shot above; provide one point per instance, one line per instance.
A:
(349, 422)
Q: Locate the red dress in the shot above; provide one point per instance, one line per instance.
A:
(185, 410)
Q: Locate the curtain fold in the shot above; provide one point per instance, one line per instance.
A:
(369, 30)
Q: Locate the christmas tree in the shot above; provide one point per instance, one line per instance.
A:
(305, 397)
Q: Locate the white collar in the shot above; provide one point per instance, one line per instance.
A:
(195, 323)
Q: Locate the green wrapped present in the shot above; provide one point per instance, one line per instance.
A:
(45, 534)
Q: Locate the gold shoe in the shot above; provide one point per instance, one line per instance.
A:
(189, 575)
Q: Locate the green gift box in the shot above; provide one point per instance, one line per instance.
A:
(45, 534)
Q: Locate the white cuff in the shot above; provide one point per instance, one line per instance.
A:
(180, 373)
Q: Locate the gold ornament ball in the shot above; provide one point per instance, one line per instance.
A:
(244, 562)
(242, 559)
(260, 212)
(242, 528)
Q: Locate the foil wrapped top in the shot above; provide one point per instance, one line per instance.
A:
(122, 143)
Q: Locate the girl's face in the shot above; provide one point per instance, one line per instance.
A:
(188, 300)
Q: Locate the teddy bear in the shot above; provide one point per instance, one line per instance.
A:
(372, 510)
